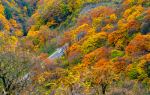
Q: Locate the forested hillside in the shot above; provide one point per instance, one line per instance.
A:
(74, 47)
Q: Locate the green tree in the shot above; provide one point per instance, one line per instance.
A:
(7, 13)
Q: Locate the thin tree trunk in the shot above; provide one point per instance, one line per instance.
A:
(104, 88)
(6, 86)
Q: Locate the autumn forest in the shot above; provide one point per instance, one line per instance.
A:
(74, 47)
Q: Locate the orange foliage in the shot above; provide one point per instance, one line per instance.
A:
(94, 56)
(74, 47)
(5, 23)
(120, 65)
(32, 33)
(100, 63)
(139, 45)
(133, 25)
(73, 52)
(40, 37)
(84, 20)
(115, 36)
(147, 57)
(102, 73)
(47, 62)
(101, 12)
(85, 29)
(14, 23)
(43, 56)
(147, 17)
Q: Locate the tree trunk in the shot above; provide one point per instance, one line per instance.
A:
(6, 86)
(104, 85)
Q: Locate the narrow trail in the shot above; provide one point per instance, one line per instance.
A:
(89, 7)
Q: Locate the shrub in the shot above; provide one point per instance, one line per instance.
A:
(132, 72)
(116, 53)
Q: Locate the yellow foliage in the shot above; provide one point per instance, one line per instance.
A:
(74, 4)
(83, 28)
(13, 23)
(32, 33)
(108, 27)
(33, 28)
(1, 9)
(42, 77)
(122, 24)
(5, 22)
(143, 66)
(51, 22)
(97, 22)
(95, 41)
(113, 17)
(8, 43)
(140, 67)
(133, 12)
(18, 33)
(127, 13)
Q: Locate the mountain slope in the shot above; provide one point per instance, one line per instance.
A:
(75, 47)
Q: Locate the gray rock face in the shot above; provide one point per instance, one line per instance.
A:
(59, 52)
